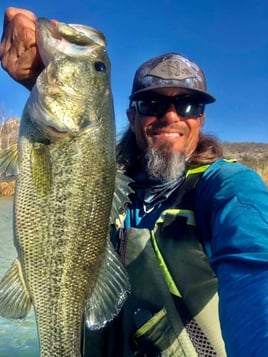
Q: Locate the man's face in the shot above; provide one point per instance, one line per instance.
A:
(170, 131)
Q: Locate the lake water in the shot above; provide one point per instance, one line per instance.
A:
(17, 339)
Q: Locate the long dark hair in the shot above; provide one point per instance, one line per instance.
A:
(208, 150)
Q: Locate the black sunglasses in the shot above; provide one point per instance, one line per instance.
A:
(186, 106)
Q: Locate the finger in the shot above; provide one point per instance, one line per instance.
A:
(25, 68)
(21, 66)
(12, 12)
(19, 36)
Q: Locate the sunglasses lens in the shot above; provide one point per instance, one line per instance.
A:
(158, 107)
(146, 107)
(151, 107)
(189, 110)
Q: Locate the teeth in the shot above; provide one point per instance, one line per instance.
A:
(172, 134)
(169, 134)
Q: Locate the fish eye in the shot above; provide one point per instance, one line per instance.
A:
(100, 67)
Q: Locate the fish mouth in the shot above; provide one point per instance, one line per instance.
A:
(79, 35)
(54, 135)
(55, 131)
(56, 38)
(50, 26)
(60, 132)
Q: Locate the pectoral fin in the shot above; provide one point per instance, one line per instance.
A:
(110, 292)
(15, 301)
(9, 163)
(121, 195)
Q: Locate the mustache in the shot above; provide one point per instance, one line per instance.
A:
(159, 127)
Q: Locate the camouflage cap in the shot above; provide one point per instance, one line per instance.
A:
(171, 70)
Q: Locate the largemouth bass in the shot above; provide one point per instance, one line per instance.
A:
(66, 177)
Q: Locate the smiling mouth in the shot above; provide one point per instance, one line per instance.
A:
(168, 134)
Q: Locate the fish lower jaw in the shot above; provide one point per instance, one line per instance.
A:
(60, 133)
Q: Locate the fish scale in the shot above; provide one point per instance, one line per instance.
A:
(64, 192)
(58, 257)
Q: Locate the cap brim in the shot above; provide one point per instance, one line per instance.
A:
(205, 97)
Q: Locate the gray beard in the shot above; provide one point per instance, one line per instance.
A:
(164, 165)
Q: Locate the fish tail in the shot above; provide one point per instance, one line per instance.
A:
(15, 301)
(110, 292)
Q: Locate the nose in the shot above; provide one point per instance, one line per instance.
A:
(170, 114)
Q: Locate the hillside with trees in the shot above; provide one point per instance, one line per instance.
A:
(254, 155)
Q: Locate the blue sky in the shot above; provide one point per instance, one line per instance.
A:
(228, 39)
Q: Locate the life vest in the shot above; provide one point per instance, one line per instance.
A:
(172, 310)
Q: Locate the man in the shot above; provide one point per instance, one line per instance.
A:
(197, 225)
